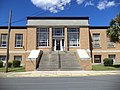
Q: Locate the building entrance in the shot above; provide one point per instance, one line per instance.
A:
(58, 44)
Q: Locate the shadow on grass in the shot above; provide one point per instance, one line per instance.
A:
(116, 66)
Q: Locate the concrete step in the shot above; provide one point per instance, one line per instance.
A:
(48, 62)
(59, 61)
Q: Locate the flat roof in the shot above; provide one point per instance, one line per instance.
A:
(59, 18)
(13, 27)
(99, 27)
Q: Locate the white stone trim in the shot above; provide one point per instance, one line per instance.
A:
(57, 23)
(88, 50)
(83, 55)
(28, 51)
(13, 52)
(106, 51)
(34, 54)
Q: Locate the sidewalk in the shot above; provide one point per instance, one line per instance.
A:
(57, 73)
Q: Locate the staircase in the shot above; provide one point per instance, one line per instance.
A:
(69, 61)
(59, 61)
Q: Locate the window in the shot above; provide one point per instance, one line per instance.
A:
(110, 43)
(73, 37)
(97, 58)
(18, 58)
(42, 37)
(112, 56)
(58, 32)
(18, 40)
(96, 40)
(2, 58)
(3, 41)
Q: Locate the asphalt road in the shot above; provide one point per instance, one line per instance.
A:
(61, 83)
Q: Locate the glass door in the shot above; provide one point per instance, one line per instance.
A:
(58, 44)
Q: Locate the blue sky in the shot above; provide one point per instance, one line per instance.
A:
(100, 12)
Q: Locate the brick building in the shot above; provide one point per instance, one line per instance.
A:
(58, 34)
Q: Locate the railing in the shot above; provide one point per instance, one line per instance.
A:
(59, 61)
(39, 59)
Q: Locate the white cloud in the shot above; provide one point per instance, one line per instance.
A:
(110, 4)
(90, 3)
(51, 5)
(85, 2)
(80, 1)
(103, 4)
(57, 5)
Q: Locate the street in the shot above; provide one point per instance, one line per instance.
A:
(61, 83)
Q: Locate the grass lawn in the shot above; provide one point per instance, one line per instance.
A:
(101, 67)
(16, 69)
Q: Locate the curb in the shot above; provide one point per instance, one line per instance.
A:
(57, 73)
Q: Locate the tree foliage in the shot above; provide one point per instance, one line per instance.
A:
(114, 31)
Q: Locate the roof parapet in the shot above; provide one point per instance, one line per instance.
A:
(99, 27)
(13, 27)
(60, 18)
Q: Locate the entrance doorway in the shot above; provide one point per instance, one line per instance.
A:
(58, 44)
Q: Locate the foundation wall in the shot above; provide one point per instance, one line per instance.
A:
(86, 65)
(30, 65)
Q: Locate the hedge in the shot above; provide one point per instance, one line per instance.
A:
(16, 63)
(9, 64)
(108, 62)
(1, 64)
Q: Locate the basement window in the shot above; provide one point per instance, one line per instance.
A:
(18, 58)
(97, 58)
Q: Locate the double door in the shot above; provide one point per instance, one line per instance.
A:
(58, 44)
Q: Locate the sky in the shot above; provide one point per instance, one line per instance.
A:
(100, 12)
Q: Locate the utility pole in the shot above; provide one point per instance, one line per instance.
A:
(8, 40)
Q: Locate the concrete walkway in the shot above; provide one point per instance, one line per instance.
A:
(57, 73)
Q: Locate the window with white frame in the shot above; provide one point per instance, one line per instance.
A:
(18, 58)
(42, 37)
(58, 32)
(3, 40)
(110, 43)
(18, 40)
(96, 40)
(73, 37)
(2, 57)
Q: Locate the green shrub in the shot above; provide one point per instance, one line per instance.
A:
(9, 64)
(1, 64)
(108, 62)
(16, 63)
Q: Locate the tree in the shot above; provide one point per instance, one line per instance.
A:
(114, 31)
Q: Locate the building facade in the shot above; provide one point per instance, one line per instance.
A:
(58, 34)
